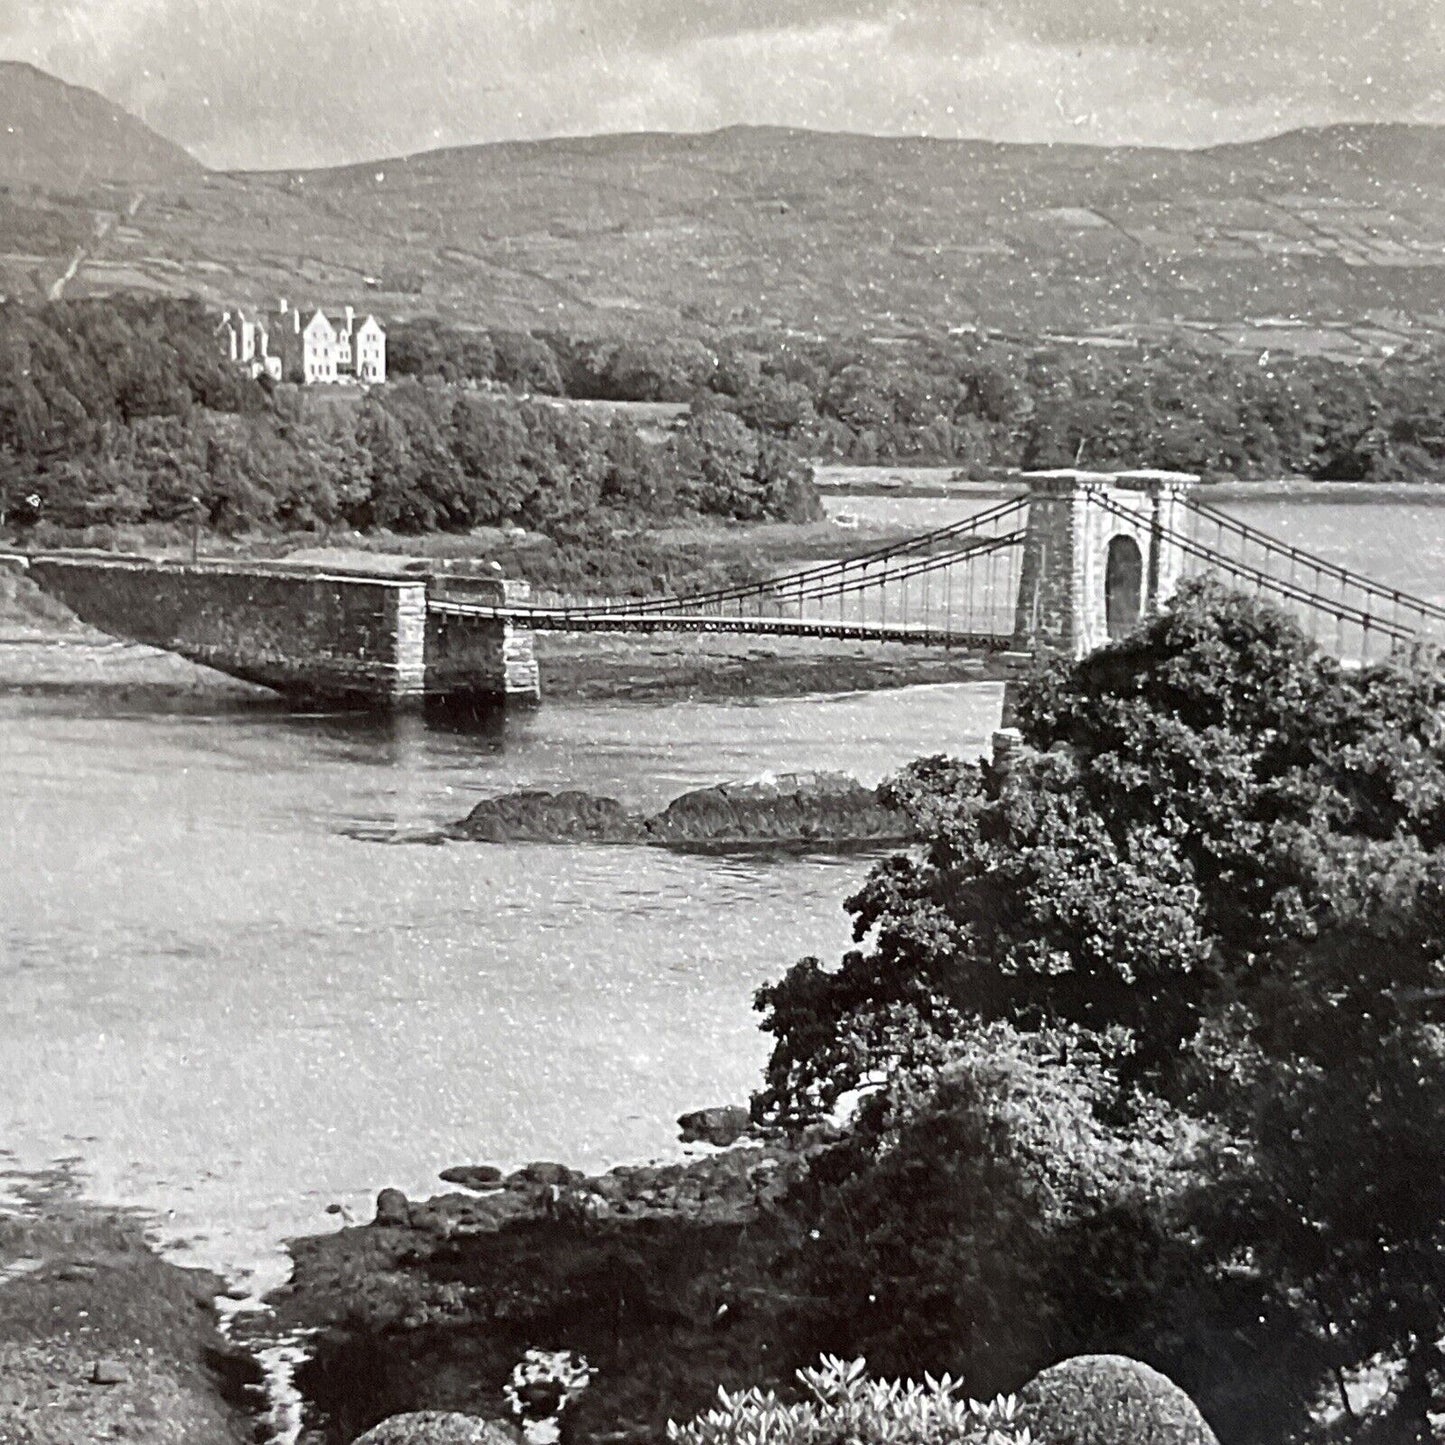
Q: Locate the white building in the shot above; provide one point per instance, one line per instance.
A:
(370, 357)
(320, 352)
(246, 339)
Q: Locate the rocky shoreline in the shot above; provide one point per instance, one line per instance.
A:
(791, 810)
(657, 1274)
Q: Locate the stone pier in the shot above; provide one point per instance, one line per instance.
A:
(462, 650)
(1096, 556)
(347, 637)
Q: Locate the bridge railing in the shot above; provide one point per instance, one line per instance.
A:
(956, 580)
(1352, 616)
(1320, 577)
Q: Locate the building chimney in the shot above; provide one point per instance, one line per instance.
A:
(1007, 743)
(283, 305)
(296, 322)
(350, 320)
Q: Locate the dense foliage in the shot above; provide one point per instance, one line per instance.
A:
(990, 405)
(1149, 1039)
(123, 412)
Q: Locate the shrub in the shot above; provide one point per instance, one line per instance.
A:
(946, 1232)
(846, 1405)
(1110, 1400)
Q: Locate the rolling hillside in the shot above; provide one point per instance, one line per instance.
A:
(1328, 240)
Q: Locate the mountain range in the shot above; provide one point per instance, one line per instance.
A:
(1328, 240)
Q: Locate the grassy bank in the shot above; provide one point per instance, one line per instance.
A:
(697, 552)
(100, 1339)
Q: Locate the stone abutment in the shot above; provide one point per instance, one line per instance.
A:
(355, 639)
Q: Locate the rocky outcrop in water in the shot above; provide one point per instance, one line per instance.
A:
(538, 817)
(805, 808)
(788, 809)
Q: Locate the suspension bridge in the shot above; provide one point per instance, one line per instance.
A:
(1069, 565)
(1073, 562)
(902, 592)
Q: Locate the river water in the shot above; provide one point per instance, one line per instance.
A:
(234, 994)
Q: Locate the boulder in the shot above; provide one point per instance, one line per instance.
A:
(610, 1188)
(723, 1124)
(432, 1216)
(492, 1210)
(472, 1176)
(545, 1173)
(1110, 1400)
(393, 1209)
(439, 1427)
(539, 817)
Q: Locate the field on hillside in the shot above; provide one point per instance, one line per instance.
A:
(1330, 241)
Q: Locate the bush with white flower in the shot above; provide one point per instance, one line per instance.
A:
(541, 1385)
(846, 1405)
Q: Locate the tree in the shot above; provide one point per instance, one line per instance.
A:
(937, 1233)
(1212, 891)
(526, 363)
(725, 469)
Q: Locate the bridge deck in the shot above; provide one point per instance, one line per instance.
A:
(543, 619)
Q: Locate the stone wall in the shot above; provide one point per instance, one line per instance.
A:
(347, 637)
(342, 638)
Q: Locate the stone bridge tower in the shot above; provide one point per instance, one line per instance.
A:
(1097, 556)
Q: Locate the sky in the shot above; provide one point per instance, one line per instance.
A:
(278, 83)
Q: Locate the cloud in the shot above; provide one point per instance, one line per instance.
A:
(297, 82)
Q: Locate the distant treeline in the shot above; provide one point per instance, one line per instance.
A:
(122, 411)
(987, 405)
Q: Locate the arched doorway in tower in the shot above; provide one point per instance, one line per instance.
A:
(1123, 586)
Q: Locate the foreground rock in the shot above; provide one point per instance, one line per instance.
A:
(722, 1125)
(789, 809)
(100, 1339)
(472, 1176)
(438, 1427)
